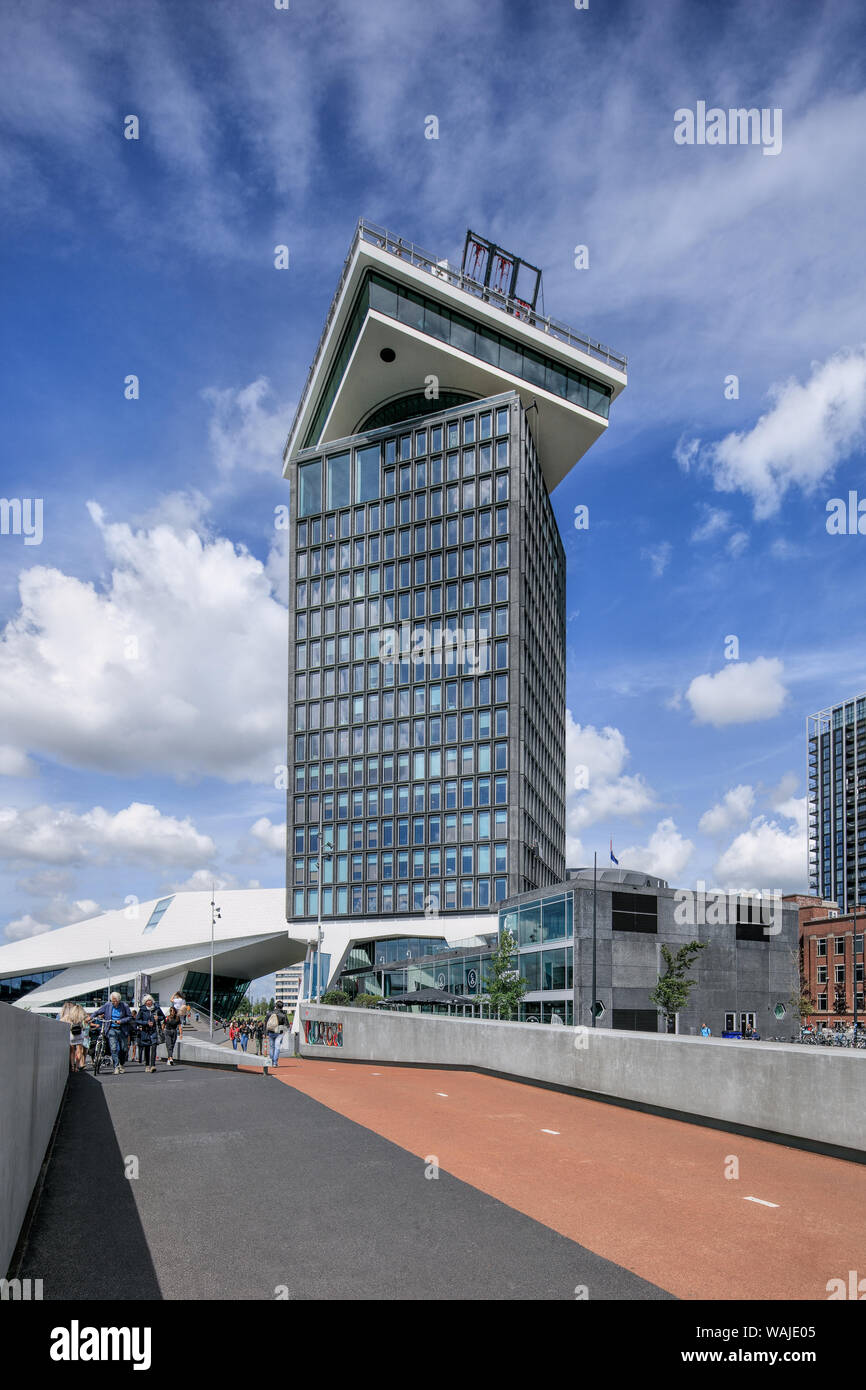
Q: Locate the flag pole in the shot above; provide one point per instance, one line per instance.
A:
(594, 933)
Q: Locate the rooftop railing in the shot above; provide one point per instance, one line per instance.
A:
(410, 254)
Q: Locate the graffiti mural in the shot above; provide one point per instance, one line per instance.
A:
(318, 1033)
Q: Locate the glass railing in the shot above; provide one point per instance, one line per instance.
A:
(441, 269)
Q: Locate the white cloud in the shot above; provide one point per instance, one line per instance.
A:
(798, 442)
(598, 788)
(733, 809)
(176, 665)
(741, 692)
(21, 927)
(138, 834)
(203, 880)
(715, 522)
(14, 763)
(245, 432)
(737, 543)
(59, 913)
(658, 556)
(769, 854)
(665, 855)
(273, 837)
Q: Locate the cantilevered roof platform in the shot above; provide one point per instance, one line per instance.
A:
(401, 318)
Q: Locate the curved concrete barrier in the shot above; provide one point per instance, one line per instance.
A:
(807, 1093)
(35, 1053)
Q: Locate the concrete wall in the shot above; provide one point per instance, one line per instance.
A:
(35, 1063)
(805, 1092)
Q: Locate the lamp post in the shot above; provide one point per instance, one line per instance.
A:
(215, 915)
(594, 930)
(324, 853)
(854, 969)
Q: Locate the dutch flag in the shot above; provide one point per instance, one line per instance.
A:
(613, 858)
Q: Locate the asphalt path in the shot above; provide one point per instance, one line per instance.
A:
(194, 1184)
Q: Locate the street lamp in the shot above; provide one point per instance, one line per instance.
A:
(325, 852)
(215, 916)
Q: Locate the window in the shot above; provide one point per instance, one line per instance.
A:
(367, 473)
(310, 488)
(338, 470)
(634, 912)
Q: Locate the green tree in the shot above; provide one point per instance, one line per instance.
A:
(335, 996)
(272, 1004)
(504, 987)
(367, 1001)
(674, 987)
(801, 1000)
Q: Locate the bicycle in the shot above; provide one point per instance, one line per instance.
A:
(101, 1053)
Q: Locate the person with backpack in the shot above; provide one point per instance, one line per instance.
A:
(277, 1026)
(76, 1017)
(150, 1021)
(259, 1036)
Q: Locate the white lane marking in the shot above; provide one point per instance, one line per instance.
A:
(550, 1131)
(444, 1094)
(760, 1201)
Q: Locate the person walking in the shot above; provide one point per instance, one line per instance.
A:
(133, 1036)
(259, 1035)
(150, 1020)
(245, 1035)
(115, 1017)
(233, 1034)
(76, 1017)
(705, 1031)
(277, 1026)
(172, 1024)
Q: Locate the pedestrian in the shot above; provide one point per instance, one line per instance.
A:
(245, 1035)
(115, 1016)
(233, 1034)
(150, 1021)
(133, 1036)
(76, 1017)
(259, 1035)
(277, 1026)
(172, 1024)
(705, 1031)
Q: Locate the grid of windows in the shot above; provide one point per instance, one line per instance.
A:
(404, 574)
(542, 678)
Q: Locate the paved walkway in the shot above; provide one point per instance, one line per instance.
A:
(241, 1188)
(647, 1193)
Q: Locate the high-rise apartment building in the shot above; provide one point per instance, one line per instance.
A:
(836, 739)
(426, 745)
(287, 986)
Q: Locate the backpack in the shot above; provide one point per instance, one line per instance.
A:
(273, 1023)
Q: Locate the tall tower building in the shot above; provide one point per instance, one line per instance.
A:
(836, 739)
(426, 745)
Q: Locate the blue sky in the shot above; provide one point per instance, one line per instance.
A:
(142, 700)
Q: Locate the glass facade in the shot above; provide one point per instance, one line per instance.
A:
(408, 573)
(544, 931)
(157, 914)
(14, 987)
(228, 991)
(837, 803)
(430, 316)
